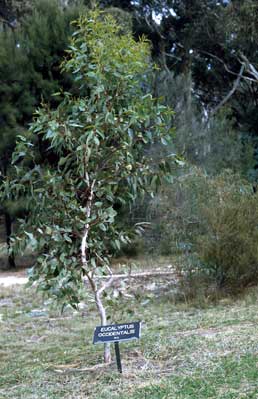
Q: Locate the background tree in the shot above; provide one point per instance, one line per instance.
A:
(100, 158)
(203, 41)
(30, 59)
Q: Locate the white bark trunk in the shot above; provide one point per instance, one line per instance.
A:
(103, 316)
(97, 292)
(103, 319)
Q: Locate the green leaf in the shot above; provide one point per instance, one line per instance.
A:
(50, 134)
(67, 238)
(102, 227)
(117, 244)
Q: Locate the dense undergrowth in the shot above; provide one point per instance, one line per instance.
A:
(210, 221)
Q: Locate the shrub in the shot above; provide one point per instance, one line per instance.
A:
(228, 249)
(175, 213)
(212, 222)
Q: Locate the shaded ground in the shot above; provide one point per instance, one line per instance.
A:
(184, 352)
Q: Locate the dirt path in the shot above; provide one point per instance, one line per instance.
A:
(8, 278)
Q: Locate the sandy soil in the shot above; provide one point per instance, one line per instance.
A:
(12, 280)
(8, 278)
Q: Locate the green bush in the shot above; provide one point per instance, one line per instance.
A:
(228, 249)
(175, 213)
(212, 222)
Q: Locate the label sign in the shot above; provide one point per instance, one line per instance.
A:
(117, 332)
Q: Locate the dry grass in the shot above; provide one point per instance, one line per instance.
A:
(185, 351)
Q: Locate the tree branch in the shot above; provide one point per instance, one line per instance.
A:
(153, 27)
(219, 60)
(230, 93)
(250, 68)
(134, 276)
(227, 68)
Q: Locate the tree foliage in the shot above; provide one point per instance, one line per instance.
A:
(204, 40)
(90, 154)
(29, 69)
(30, 56)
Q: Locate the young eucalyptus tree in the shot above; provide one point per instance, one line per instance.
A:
(89, 154)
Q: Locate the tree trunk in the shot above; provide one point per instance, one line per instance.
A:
(8, 229)
(103, 320)
(97, 292)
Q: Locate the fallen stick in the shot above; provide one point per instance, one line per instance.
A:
(137, 275)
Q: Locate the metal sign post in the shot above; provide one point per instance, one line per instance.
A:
(116, 333)
(118, 358)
